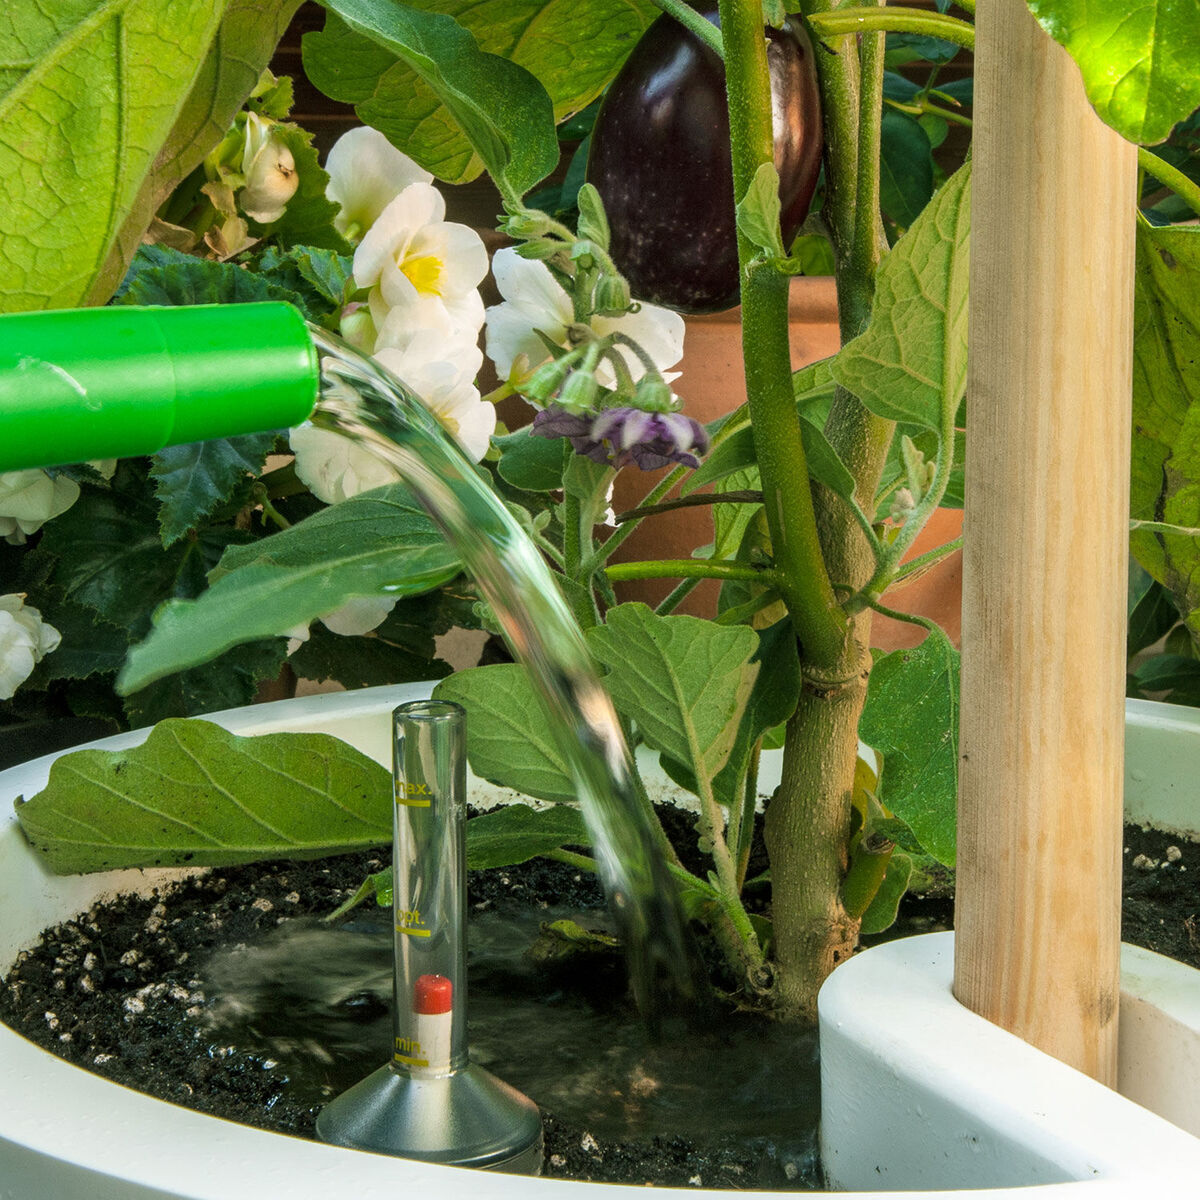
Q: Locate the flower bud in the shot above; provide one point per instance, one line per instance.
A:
(580, 392)
(269, 171)
(548, 378)
(652, 395)
(612, 296)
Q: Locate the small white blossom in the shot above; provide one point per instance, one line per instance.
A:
(269, 171)
(25, 639)
(357, 616)
(28, 499)
(366, 173)
(421, 269)
(535, 301)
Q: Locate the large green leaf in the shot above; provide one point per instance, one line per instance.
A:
(1138, 60)
(376, 543)
(237, 56)
(374, 54)
(104, 106)
(1165, 482)
(911, 718)
(195, 794)
(508, 738)
(684, 681)
(911, 363)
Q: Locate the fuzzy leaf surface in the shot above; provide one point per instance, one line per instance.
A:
(1165, 480)
(89, 92)
(684, 681)
(377, 543)
(1138, 59)
(196, 794)
(911, 362)
(508, 740)
(911, 718)
(503, 112)
(572, 48)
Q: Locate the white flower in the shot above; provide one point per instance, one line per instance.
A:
(28, 499)
(421, 269)
(534, 300)
(358, 615)
(448, 391)
(334, 468)
(269, 171)
(25, 639)
(366, 173)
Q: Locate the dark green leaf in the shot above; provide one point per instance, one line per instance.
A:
(366, 661)
(229, 681)
(195, 794)
(905, 168)
(1151, 613)
(516, 833)
(182, 280)
(192, 480)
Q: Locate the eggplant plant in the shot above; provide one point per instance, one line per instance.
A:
(703, 165)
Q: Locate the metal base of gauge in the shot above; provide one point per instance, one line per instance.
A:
(468, 1119)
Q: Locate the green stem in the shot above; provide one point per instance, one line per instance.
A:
(742, 613)
(844, 22)
(802, 578)
(609, 547)
(258, 494)
(499, 393)
(691, 568)
(677, 595)
(935, 110)
(687, 16)
(693, 501)
(1186, 189)
(924, 561)
(910, 618)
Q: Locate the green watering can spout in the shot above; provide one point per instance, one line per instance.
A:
(93, 383)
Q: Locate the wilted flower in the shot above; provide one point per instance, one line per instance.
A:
(535, 302)
(269, 171)
(25, 639)
(621, 436)
(420, 268)
(366, 173)
(28, 499)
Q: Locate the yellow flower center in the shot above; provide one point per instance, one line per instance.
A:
(424, 272)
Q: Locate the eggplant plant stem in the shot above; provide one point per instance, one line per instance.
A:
(803, 580)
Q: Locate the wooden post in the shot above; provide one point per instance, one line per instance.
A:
(1044, 588)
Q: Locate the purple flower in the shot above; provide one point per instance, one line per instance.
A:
(621, 436)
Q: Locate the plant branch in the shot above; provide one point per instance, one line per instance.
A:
(693, 501)
(931, 558)
(609, 547)
(687, 16)
(801, 575)
(844, 22)
(1186, 189)
(691, 568)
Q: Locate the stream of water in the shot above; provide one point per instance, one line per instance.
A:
(364, 403)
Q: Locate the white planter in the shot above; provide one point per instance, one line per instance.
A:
(918, 1092)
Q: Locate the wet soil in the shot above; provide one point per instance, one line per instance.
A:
(121, 991)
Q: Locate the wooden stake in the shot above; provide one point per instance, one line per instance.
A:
(1044, 574)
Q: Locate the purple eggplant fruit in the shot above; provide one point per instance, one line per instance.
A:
(661, 162)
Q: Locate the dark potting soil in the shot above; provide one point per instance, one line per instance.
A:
(132, 991)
